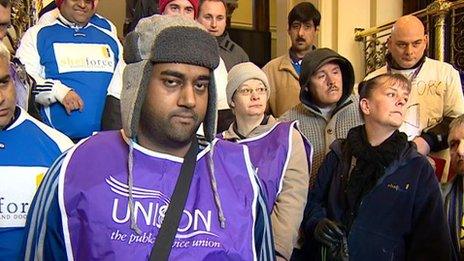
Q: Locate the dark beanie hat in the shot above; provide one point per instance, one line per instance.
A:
(314, 60)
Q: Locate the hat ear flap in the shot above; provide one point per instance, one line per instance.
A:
(136, 79)
(210, 121)
(131, 52)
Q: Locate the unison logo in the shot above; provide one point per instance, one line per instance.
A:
(151, 212)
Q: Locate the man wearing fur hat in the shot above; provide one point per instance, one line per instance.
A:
(278, 150)
(151, 189)
(328, 110)
(189, 9)
(76, 65)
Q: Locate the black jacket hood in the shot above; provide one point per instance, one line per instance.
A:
(313, 61)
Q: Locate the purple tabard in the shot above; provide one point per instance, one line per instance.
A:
(96, 217)
(270, 153)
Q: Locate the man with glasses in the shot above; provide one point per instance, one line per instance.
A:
(279, 152)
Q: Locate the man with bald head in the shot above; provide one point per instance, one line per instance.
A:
(436, 95)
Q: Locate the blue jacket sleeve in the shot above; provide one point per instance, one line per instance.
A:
(315, 209)
(43, 239)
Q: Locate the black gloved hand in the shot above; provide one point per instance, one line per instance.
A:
(328, 233)
(341, 252)
(331, 235)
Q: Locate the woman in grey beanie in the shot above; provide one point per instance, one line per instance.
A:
(242, 79)
(280, 153)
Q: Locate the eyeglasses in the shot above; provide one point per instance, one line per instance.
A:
(249, 91)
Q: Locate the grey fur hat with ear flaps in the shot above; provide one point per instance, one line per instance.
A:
(165, 39)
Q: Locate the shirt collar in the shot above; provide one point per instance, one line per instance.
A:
(15, 117)
(68, 23)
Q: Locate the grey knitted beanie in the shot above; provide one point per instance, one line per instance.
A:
(165, 39)
(241, 73)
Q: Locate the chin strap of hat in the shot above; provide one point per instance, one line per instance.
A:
(168, 230)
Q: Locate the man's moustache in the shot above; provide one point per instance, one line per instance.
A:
(185, 113)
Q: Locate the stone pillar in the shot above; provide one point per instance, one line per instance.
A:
(439, 8)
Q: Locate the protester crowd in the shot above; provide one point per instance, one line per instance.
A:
(170, 144)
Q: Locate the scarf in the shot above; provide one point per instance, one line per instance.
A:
(371, 163)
